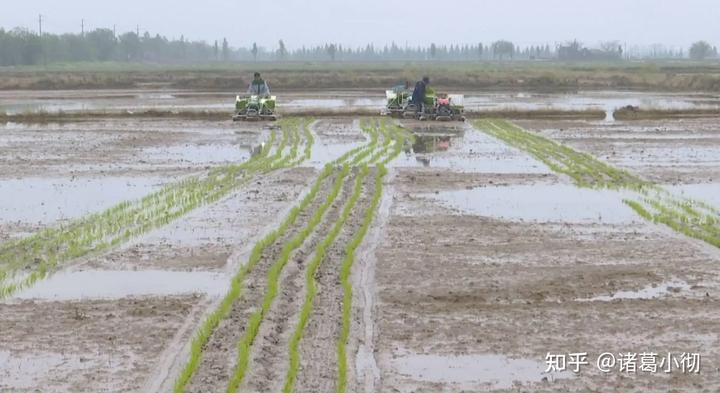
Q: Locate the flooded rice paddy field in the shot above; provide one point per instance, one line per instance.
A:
(682, 152)
(483, 271)
(480, 261)
(350, 100)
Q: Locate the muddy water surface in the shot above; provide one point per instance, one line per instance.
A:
(169, 99)
(44, 200)
(497, 371)
(109, 284)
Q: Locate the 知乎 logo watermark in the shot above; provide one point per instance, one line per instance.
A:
(625, 362)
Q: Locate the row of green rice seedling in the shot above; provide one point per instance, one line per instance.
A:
(383, 126)
(693, 218)
(312, 268)
(291, 159)
(309, 141)
(345, 278)
(253, 323)
(373, 128)
(97, 232)
(394, 139)
(210, 324)
(35, 256)
(255, 320)
(400, 137)
(367, 128)
(584, 169)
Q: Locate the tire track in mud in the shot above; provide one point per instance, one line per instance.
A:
(218, 355)
(269, 356)
(317, 352)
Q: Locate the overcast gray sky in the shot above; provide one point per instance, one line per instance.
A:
(298, 22)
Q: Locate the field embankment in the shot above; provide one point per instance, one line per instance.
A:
(533, 76)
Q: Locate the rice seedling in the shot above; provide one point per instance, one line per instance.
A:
(255, 320)
(253, 323)
(315, 262)
(395, 138)
(209, 325)
(690, 217)
(25, 261)
(584, 169)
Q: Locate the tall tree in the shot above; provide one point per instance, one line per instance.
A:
(225, 50)
(503, 48)
(331, 51)
(282, 51)
(700, 50)
(254, 51)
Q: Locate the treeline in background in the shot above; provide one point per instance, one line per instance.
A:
(24, 47)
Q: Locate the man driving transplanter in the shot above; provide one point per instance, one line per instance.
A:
(258, 86)
(418, 96)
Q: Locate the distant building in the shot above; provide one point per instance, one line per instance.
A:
(574, 51)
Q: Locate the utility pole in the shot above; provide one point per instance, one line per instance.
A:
(137, 30)
(82, 27)
(114, 34)
(40, 24)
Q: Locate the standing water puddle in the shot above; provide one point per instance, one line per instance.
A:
(48, 200)
(198, 154)
(497, 370)
(316, 103)
(467, 151)
(606, 100)
(667, 156)
(323, 153)
(542, 203)
(705, 192)
(108, 284)
(648, 292)
(334, 103)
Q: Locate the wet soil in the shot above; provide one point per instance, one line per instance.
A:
(318, 348)
(218, 361)
(86, 346)
(451, 292)
(463, 295)
(664, 151)
(269, 355)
